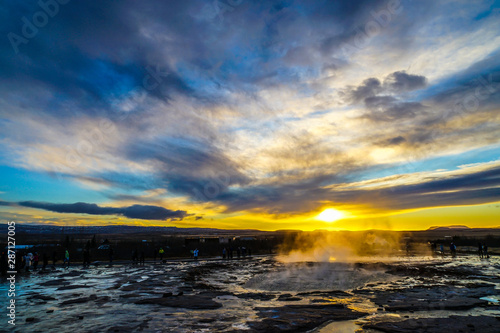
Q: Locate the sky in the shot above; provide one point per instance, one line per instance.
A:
(242, 114)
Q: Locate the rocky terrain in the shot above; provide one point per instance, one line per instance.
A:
(264, 295)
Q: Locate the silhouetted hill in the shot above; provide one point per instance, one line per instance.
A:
(451, 227)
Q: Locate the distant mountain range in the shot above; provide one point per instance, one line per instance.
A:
(451, 227)
(127, 229)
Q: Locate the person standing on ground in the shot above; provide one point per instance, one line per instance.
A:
(54, 258)
(86, 258)
(453, 249)
(195, 254)
(110, 256)
(485, 251)
(480, 250)
(36, 258)
(161, 252)
(45, 260)
(66, 258)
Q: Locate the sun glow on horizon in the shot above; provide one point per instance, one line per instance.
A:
(330, 215)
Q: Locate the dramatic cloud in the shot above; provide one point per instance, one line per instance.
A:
(271, 108)
(132, 212)
(403, 82)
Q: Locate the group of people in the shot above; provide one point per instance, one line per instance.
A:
(136, 259)
(482, 250)
(31, 261)
(240, 252)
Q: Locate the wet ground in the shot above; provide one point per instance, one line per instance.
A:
(263, 294)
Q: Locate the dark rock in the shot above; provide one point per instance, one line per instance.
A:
(72, 274)
(42, 297)
(130, 295)
(436, 298)
(301, 318)
(483, 324)
(73, 286)
(31, 319)
(54, 283)
(331, 293)
(79, 300)
(257, 296)
(288, 298)
(192, 302)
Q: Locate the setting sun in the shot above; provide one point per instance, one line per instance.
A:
(330, 215)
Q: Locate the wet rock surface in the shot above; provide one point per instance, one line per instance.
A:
(434, 298)
(417, 295)
(479, 324)
(193, 302)
(300, 318)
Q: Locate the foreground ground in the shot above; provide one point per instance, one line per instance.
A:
(264, 295)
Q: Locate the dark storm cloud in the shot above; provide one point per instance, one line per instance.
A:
(89, 51)
(369, 88)
(397, 82)
(188, 166)
(92, 51)
(402, 82)
(382, 100)
(142, 212)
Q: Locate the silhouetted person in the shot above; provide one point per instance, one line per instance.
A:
(86, 257)
(66, 258)
(195, 254)
(54, 258)
(23, 261)
(134, 256)
(485, 251)
(224, 253)
(238, 252)
(480, 250)
(45, 260)
(110, 254)
(27, 260)
(453, 249)
(36, 258)
(161, 252)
